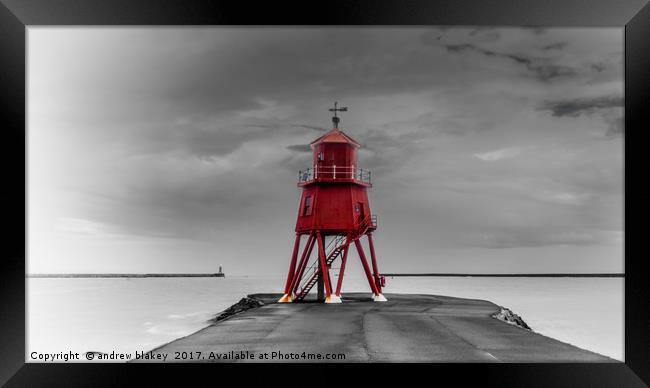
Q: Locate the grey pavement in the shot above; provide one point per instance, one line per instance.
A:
(407, 328)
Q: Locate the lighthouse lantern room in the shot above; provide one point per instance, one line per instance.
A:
(334, 214)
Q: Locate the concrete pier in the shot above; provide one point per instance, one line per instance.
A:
(407, 328)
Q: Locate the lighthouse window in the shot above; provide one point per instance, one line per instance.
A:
(320, 157)
(306, 210)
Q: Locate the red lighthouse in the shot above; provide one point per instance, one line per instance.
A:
(334, 214)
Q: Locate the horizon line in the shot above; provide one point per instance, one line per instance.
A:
(432, 274)
(551, 274)
(117, 275)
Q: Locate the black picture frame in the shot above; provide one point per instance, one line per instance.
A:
(17, 15)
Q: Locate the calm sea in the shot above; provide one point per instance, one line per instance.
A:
(137, 314)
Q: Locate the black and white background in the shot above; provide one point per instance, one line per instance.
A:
(176, 149)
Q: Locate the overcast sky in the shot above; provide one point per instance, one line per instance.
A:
(176, 149)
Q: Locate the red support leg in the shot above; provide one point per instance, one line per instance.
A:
(366, 269)
(286, 298)
(292, 265)
(373, 258)
(306, 253)
(344, 260)
(323, 268)
(329, 278)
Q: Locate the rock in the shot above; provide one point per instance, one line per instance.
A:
(506, 315)
(244, 304)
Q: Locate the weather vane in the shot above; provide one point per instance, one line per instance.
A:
(336, 119)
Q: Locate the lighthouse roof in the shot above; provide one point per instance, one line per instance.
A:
(335, 136)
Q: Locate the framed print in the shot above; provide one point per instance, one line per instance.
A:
(444, 186)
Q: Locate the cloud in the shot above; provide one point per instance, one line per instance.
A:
(542, 68)
(503, 153)
(534, 237)
(315, 128)
(80, 226)
(579, 106)
(485, 34)
(615, 126)
(563, 198)
(208, 142)
(609, 108)
(299, 148)
(598, 67)
(555, 46)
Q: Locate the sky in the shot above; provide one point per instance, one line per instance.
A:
(177, 149)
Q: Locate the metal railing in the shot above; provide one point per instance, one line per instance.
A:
(335, 242)
(334, 173)
(373, 221)
(369, 222)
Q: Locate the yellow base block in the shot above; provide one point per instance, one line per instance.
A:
(285, 299)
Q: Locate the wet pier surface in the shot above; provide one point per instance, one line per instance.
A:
(407, 328)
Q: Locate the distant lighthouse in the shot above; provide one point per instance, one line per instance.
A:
(334, 205)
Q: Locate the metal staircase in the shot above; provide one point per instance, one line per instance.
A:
(333, 250)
